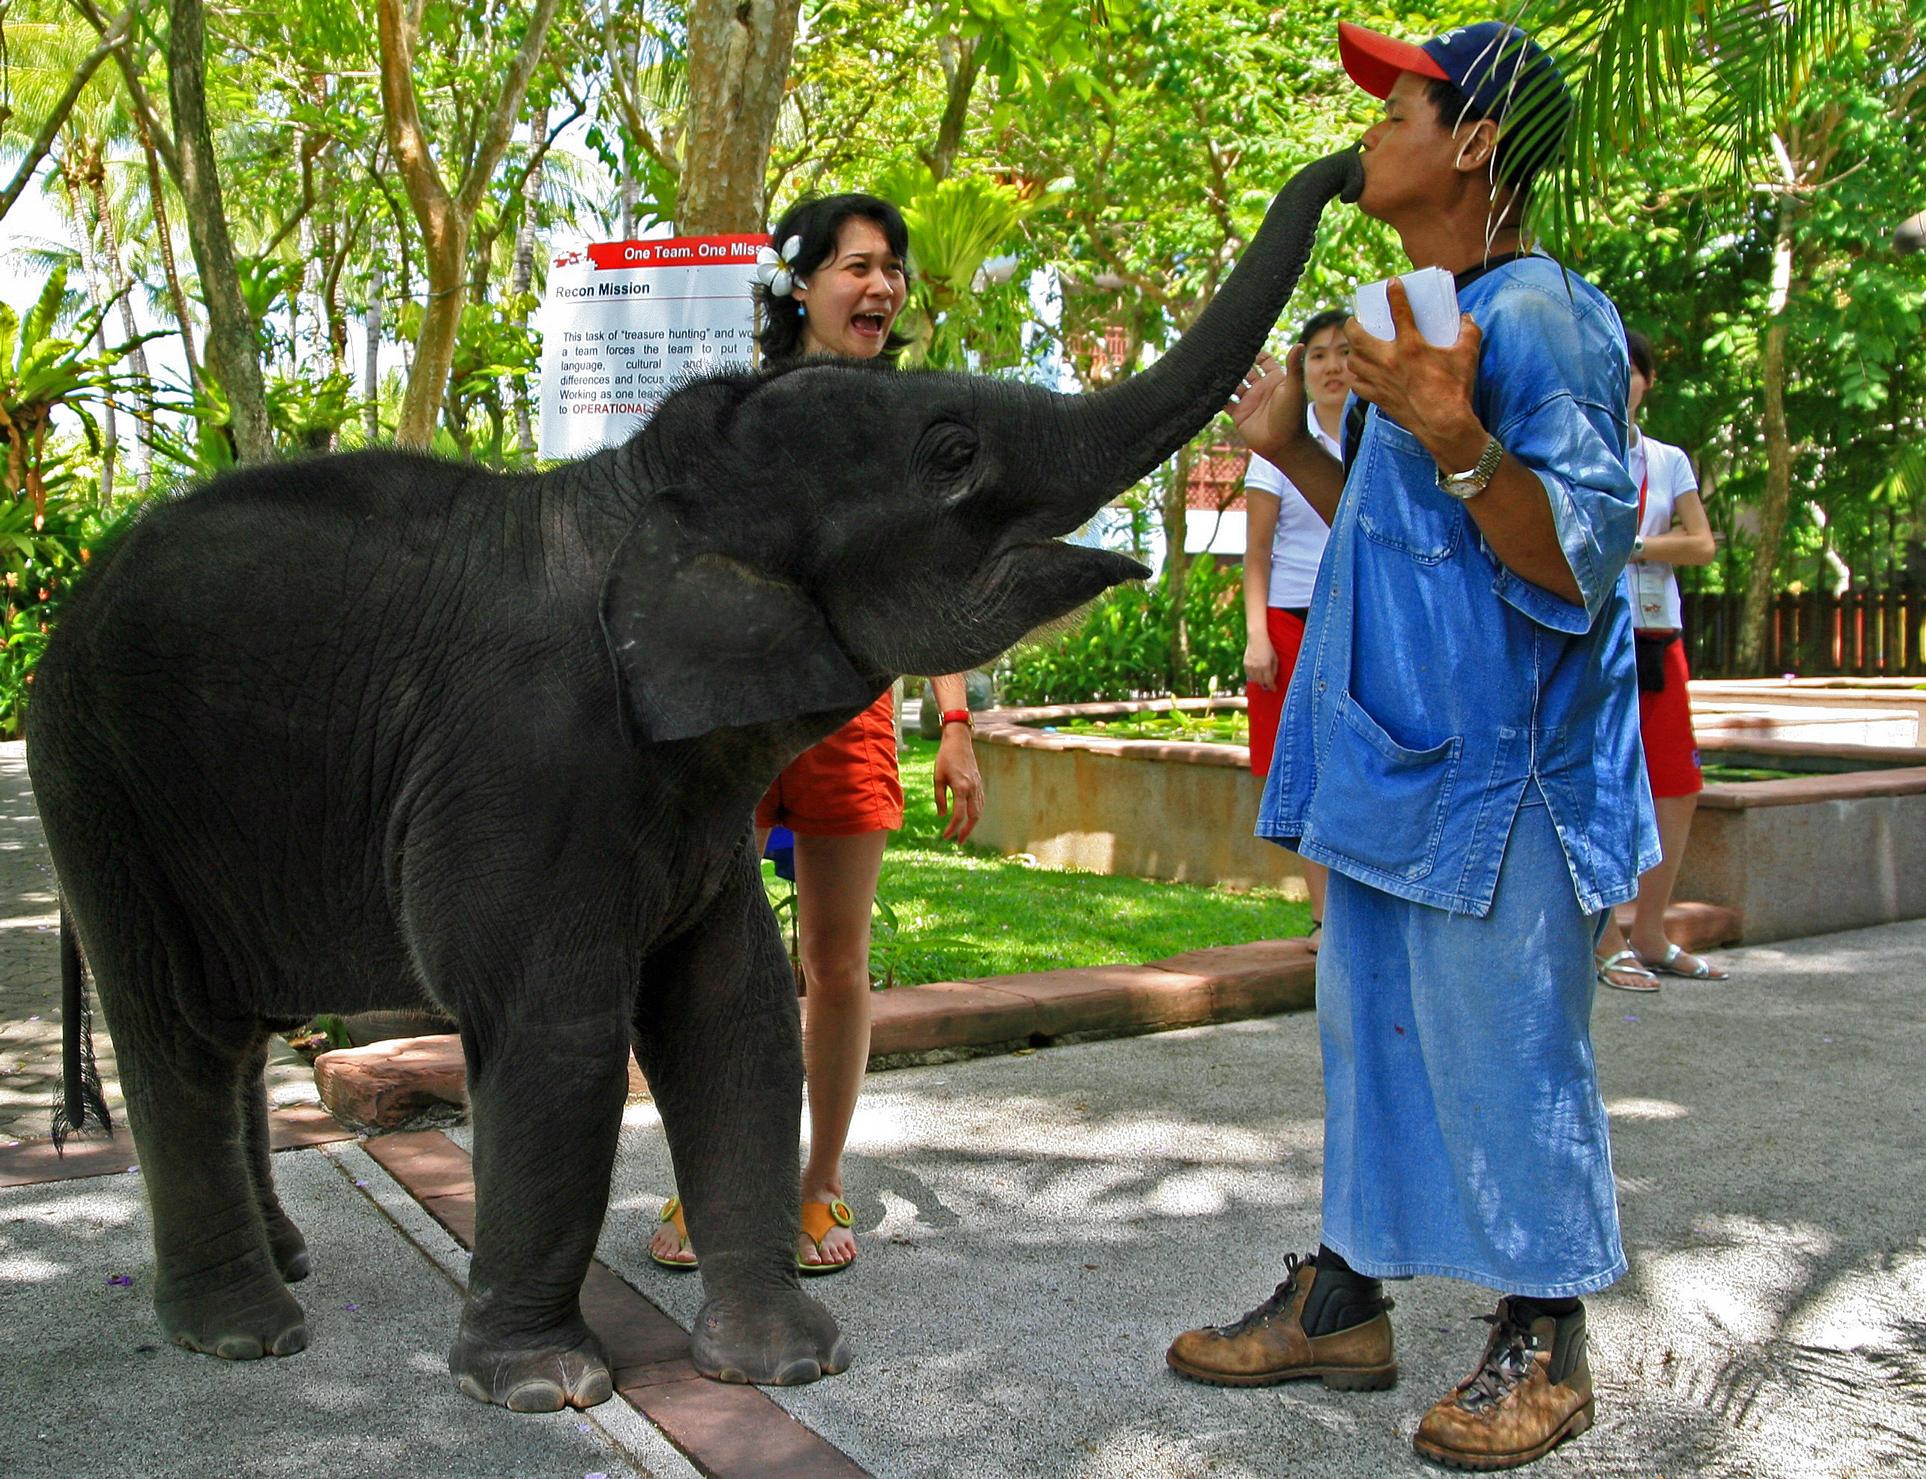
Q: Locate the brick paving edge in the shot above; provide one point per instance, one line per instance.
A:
(726, 1431)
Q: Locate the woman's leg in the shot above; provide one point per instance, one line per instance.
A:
(835, 889)
(1655, 886)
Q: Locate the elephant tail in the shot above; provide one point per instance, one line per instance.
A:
(81, 1093)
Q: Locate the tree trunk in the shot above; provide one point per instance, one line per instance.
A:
(446, 220)
(959, 55)
(738, 68)
(1176, 515)
(521, 275)
(375, 289)
(1777, 500)
(164, 238)
(233, 344)
(118, 285)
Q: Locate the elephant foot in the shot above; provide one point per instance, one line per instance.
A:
(249, 1320)
(779, 1340)
(289, 1247)
(524, 1376)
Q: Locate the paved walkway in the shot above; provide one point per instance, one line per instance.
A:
(1033, 1230)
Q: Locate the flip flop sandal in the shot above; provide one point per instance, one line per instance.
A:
(1669, 966)
(1315, 937)
(1626, 963)
(672, 1213)
(817, 1219)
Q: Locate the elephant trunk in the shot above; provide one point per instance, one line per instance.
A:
(1128, 431)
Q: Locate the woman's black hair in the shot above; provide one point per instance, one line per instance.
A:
(819, 222)
(1318, 322)
(1640, 349)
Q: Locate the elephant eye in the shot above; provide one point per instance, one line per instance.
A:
(947, 454)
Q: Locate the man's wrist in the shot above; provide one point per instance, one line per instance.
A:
(1458, 444)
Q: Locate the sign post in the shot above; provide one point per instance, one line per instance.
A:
(625, 322)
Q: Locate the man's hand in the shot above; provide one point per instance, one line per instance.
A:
(1268, 408)
(1425, 389)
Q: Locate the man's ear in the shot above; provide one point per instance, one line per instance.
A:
(703, 642)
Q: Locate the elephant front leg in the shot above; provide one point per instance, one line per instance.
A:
(718, 1035)
(546, 1101)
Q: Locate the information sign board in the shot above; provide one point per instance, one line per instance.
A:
(625, 322)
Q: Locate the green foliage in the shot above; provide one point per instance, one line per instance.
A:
(43, 553)
(1119, 648)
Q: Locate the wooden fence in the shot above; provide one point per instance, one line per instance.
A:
(1862, 633)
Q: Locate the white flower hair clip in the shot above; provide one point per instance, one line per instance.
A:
(776, 271)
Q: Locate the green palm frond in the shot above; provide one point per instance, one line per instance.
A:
(1727, 71)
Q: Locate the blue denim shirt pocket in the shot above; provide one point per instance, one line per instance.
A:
(1378, 803)
(1402, 507)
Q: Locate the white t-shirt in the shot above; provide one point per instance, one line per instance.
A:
(1665, 473)
(1298, 547)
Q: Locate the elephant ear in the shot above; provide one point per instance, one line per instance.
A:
(703, 642)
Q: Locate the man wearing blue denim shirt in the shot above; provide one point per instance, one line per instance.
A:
(1460, 747)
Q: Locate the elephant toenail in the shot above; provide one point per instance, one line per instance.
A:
(291, 1341)
(472, 1388)
(535, 1396)
(798, 1373)
(733, 1374)
(239, 1348)
(592, 1391)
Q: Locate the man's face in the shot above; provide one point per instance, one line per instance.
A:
(1411, 158)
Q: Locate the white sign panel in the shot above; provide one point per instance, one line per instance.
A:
(625, 322)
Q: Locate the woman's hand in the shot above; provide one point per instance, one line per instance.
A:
(956, 774)
(1268, 408)
(1260, 662)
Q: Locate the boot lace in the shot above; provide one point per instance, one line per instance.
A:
(1507, 1361)
(1280, 1297)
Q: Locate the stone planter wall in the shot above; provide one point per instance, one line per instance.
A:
(1794, 857)
(1139, 808)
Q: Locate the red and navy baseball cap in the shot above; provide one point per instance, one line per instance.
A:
(1508, 77)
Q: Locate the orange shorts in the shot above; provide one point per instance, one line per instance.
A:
(841, 786)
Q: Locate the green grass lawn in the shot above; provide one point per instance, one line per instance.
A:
(946, 911)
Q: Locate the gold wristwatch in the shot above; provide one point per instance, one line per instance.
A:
(1473, 481)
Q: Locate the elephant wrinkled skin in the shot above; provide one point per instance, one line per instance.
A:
(379, 732)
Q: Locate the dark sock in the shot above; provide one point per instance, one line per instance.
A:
(1340, 1297)
(1528, 1310)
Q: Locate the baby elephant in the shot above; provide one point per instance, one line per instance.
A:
(378, 732)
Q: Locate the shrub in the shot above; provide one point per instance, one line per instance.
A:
(1119, 647)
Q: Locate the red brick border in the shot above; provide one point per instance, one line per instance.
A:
(292, 1127)
(728, 1432)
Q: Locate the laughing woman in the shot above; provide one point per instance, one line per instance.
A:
(835, 288)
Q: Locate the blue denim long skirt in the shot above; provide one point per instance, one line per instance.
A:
(1464, 1134)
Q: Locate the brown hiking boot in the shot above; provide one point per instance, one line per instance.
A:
(1269, 1345)
(1531, 1391)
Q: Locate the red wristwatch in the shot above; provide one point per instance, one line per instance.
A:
(958, 716)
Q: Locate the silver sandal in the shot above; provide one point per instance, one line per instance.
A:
(1626, 963)
(1669, 966)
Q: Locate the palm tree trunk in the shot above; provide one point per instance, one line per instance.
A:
(376, 287)
(118, 285)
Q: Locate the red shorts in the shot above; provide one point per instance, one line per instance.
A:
(841, 786)
(1665, 724)
(1266, 704)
